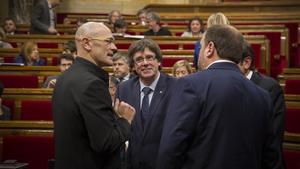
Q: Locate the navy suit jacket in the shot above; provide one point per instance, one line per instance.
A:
(218, 119)
(144, 143)
(40, 18)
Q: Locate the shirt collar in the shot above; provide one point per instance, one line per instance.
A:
(219, 61)
(127, 76)
(153, 84)
(249, 75)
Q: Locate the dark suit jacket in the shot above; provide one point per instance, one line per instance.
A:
(217, 119)
(277, 95)
(40, 18)
(86, 131)
(144, 143)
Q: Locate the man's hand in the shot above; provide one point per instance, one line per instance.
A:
(52, 83)
(52, 30)
(124, 110)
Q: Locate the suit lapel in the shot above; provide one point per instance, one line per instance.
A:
(159, 93)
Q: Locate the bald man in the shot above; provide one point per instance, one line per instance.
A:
(88, 131)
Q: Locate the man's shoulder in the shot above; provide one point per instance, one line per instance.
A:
(267, 83)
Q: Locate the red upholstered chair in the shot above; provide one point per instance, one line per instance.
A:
(8, 59)
(35, 150)
(48, 45)
(123, 45)
(36, 110)
(292, 159)
(54, 61)
(292, 118)
(275, 46)
(189, 46)
(168, 46)
(292, 86)
(19, 81)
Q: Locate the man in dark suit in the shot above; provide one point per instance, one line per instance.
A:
(65, 61)
(121, 67)
(217, 119)
(43, 17)
(87, 131)
(149, 93)
(270, 85)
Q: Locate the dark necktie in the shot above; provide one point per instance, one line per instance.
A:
(121, 79)
(145, 105)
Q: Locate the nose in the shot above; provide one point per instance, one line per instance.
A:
(113, 48)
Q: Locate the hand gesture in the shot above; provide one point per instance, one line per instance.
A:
(124, 110)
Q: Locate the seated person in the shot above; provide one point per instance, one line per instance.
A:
(181, 68)
(120, 27)
(4, 111)
(195, 28)
(65, 61)
(155, 29)
(29, 55)
(113, 16)
(9, 26)
(141, 14)
(3, 40)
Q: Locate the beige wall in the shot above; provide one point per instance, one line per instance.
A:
(3, 10)
(125, 6)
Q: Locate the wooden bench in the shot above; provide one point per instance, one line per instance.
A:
(259, 42)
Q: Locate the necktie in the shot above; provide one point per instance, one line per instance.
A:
(121, 79)
(145, 105)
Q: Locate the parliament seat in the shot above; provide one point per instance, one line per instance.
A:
(19, 81)
(292, 159)
(36, 110)
(35, 150)
(292, 86)
(292, 118)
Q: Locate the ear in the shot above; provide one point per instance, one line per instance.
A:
(210, 49)
(247, 62)
(86, 44)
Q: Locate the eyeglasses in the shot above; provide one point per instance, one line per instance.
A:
(108, 41)
(140, 60)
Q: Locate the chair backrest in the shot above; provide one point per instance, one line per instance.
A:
(292, 86)
(19, 81)
(36, 110)
(292, 159)
(292, 118)
(35, 150)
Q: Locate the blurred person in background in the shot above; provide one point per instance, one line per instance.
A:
(3, 40)
(65, 61)
(29, 55)
(195, 28)
(181, 68)
(5, 113)
(155, 29)
(9, 26)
